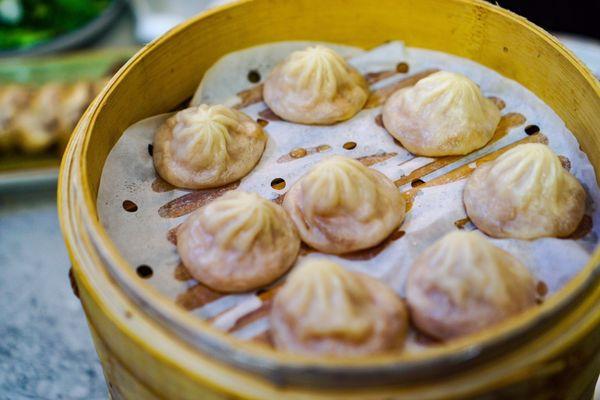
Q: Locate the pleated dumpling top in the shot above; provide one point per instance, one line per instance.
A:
(207, 146)
(443, 114)
(315, 86)
(324, 309)
(340, 206)
(525, 194)
(463, 284)
(238, 242)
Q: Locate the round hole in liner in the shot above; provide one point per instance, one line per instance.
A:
(402, 68)
(254, 76)
(417, 182)
(151, 149)
(532, 129)
(350, 145)
(130, 206)
(298, 152)
(278, 184)
(144, 271)
(505, 49)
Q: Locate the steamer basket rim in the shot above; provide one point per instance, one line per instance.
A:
(276, 367)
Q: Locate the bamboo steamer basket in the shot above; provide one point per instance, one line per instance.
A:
(151, 349)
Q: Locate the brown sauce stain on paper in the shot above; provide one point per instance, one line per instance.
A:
(369, 254)
(197, 296)
(465, 170)
(379, 96)
(306, 249)
(172, 235)
(374, 77)
(263, 338)
(159, 185)
(250, 96)
(181, 273)
(498, 102)
(461, 223)
(583, 229)
(566, 163)
(301, 152)
(423, 339)
(279, 199)
(541, 288)
(269, 115)
(507, 122)
(368, 161)
(268, 293)
(194, 200)
(252, 316)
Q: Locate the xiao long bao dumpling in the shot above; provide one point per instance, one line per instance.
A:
(315, 86)
(342, 206)
(525, 194)
(463, 284)
(444, 114)
(325, 310)
(238, 242)
(207, 146)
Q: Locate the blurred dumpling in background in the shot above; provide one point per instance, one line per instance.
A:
(325, 310)
(207, 147)
(315, 86)
(463, 284)
(526, 194)
(37, 125)
(13, 99)
(74, 101)
(33, 119)
(341, 206)
(443, 114)
(238, 242)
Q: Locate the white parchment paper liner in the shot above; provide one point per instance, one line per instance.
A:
(141, 236)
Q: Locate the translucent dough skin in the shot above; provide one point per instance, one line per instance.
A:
(463, 284)
(238, 242)
(325, 310)
(443, 114)
(342, 206)
(525, 194)
(207, 147)
(315, 86)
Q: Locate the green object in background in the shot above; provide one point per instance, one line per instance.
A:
(26, 23)
(88, 65)
(18, 170)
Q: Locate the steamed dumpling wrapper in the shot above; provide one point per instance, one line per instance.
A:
(342, 206)
(315, 86)
(207, 146)
(324, 309)
(443, 114)
(238, 242)
(463, 284)
(526, 194)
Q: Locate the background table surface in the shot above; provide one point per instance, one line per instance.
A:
(45, 348)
